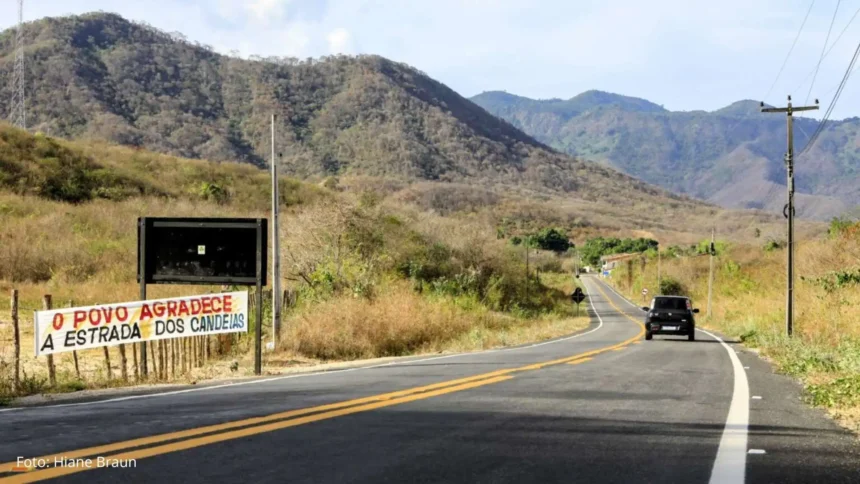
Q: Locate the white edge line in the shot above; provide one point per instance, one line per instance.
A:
(319, 373)
(591, 301)
(731, 461)
(730, 464)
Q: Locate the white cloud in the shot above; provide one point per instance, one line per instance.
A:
(267, 11)
(339, 41)
(296, 41)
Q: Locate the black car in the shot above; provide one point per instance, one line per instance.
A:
(670, 315)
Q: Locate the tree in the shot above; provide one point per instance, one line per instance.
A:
(597, 247)
(553, 239)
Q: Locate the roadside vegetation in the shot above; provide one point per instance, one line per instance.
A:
(373, 276)
(749, 304)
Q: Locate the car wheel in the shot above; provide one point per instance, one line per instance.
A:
(648, 335)
(692, 335)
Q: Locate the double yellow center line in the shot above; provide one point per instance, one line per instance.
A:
(187, 439)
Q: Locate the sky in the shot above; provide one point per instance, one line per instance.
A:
(683, 54)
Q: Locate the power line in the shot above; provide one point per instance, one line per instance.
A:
(832, 105)
(793, 44)
(834, 88)
(829, 50)
(781, 69)
(823, 49)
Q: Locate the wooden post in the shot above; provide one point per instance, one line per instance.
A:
(52, 370)
(193, 355)
(153, 359)
(17, 335)
(107, 363)
(164, 362)
(629, 274)
(173, 357)
(124, 363)
(75, 352)
(134, 357)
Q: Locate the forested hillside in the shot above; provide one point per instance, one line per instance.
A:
(732, 156)
(100, 76)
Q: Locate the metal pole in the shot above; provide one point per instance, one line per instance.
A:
(711, 273)
(258, 335)
(276, 255)
(659, 290)
(141, 251)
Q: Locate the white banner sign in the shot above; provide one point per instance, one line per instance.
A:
(70, 329)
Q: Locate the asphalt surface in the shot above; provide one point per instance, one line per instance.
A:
(601, 406)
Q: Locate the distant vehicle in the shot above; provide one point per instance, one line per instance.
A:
(670, 315)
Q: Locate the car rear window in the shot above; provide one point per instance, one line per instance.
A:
(673, 303)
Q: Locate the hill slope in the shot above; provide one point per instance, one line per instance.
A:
(100, 76)
(732, 156)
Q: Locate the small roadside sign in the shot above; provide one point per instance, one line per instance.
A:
(644, 291)
(578, 297)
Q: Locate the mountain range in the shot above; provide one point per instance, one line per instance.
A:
(103, 78)
(100, 76)
(732, 156)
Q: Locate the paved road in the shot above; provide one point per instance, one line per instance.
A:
(601, 406)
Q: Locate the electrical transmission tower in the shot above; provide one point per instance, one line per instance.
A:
(18, 115)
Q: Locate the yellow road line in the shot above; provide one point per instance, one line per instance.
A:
(583, 360)
(236, 434)
(155, 439)
(300, 416)
(621, 311)
(618, 349)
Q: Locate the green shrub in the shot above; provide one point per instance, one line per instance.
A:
(839, 392)
(212, 192)
(672, 287)
(772, 245)
(840, 225)
(552, 239)
(31, 384)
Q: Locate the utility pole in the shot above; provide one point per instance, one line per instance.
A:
(788, 210)
(527, 271)
(712, 250)
(276, 253)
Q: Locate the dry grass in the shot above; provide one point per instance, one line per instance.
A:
(749, 303)
(402, 323)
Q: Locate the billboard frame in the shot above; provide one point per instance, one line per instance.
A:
(146, 253)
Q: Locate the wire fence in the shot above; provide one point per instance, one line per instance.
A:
(169, 360)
